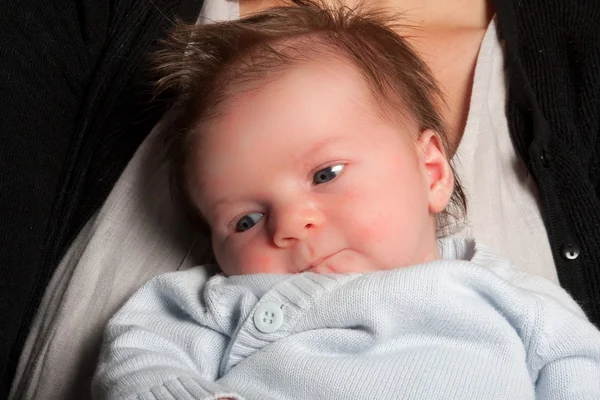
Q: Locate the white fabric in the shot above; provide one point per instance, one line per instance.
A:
(503, 208)
(138, 234)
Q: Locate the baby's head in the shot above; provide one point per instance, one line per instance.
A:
(308, 140)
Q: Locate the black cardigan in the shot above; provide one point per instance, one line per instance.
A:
(553, 64)
(72, 114)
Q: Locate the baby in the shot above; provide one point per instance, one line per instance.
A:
(308, 140)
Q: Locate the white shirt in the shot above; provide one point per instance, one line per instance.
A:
(503, 208)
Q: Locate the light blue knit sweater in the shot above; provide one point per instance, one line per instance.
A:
(467, 327)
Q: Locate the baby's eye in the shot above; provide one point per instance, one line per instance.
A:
(327, 174)
(247, 221)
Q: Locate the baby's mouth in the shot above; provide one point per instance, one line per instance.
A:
(314, 266)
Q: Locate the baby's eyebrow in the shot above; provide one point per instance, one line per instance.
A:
(316, 149)
(218, 210)
(220, 204)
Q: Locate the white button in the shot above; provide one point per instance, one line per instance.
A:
(268, 317)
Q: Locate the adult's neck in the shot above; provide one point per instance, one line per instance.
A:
(441, 14)
(427, 14)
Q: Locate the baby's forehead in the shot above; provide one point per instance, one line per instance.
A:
(289, 96)
(307, 105)
(286, 97)
(317, 77)
(328, 69)
(327, 81)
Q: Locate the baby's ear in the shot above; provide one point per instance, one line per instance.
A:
(439, 174)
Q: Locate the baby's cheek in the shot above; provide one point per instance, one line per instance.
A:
(244, 255)
(258, 262)
(371, 222)
(257, 256)
(375, 231)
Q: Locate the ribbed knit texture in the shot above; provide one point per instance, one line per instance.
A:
(450, 329)
(553, 63)
(70, 118)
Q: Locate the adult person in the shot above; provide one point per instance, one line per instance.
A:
(526, 142)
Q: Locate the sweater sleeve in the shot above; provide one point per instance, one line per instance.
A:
(568, 354)
(165, 343)
(563, 346)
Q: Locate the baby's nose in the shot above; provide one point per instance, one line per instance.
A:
(294, 223)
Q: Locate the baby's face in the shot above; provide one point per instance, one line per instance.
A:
(304, 175)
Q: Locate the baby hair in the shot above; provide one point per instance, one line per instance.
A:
(203, 66)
